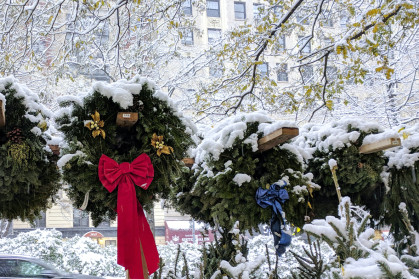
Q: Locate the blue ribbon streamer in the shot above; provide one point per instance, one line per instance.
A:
(274, 197)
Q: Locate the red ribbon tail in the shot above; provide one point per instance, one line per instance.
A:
(147, 241)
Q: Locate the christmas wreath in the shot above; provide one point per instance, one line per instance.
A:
(89, 125)
(358, 175)
(403, 184)
(28, 172)
(221, 186)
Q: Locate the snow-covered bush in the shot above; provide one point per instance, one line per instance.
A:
(76, 255)
(83, 255)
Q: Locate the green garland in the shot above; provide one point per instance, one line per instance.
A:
(208, 191)
(28, 173)
(358, 175)
(156, 116)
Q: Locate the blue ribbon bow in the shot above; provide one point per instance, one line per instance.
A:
(275, 196)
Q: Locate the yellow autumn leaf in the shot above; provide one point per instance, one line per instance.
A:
(329, 104)
(309, 205)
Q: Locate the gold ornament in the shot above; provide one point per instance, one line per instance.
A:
(158, 143)
(43, 125)
(96, 125)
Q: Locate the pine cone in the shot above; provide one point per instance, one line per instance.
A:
(15, 135)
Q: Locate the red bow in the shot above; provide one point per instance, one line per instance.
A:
(134, 234)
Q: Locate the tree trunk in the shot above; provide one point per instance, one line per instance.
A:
(5, 226)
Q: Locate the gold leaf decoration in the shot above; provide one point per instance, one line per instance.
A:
(96, 126)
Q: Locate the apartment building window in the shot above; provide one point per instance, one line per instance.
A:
(332, 73)
(282, 74)
(263, 69)
(187, 37)
(213, 8)
(80, 218)
(307, 72)
(327, 41)
(213, 35)
(104, 224)
(281, 43)
(303, 18)
(239, 10)
(278, 11)
(343, 21)
(187, 7)
(257, 11)
(327, 20)
(216, 72)
(304, 44)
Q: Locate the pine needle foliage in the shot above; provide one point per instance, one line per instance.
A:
(29, 177)
(404, 188)
(358, 174)
(122, 145)
(312, 266)
(208, 191)
(353, 244)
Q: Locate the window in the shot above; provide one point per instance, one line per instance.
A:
(281, 43)
(327, 19)
(239, 10)
(343, 21)
(263, 69)
(8, 268)
(104, 224)
(216, 72)
(303, 18)
(332, 73)
(257, 11)
(306, 72)
(213, 8)
(80, 218)
(304, 44)
(327, 41)
(213, 35)
(187, 37)
(29, 269)
(187, 7)
(282, 74)
(278, 11)
(110, 242)
(40, 222)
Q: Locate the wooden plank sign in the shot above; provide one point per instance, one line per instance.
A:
(188, 162)
(2, 115)
(277, 137)
(126, 119)
(379, 145)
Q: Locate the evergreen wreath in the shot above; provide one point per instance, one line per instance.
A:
(358, 174)
(90, 130)
(28, 172)
(403, 186)
(221, 186)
